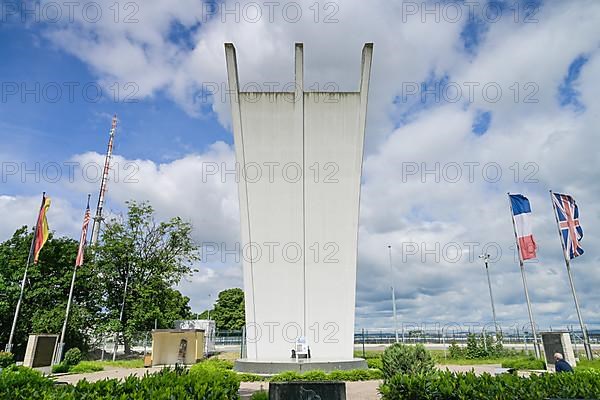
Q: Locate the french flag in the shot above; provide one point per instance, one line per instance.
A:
(521, 210)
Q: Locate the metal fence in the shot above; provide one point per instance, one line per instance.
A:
(443, 337)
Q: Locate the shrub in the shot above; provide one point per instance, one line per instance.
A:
(72, 357)
(318, 376)
(455, 351)
(6, 359)
(451, 386)
(261, 395)
(406, 359)
(287, 376)
(356, 375)
(375, 363)
(484, 346)
(251, 378)
(225, 380)
(314, 376)
(20, 383)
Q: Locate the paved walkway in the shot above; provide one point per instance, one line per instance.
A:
(365, 390)
(108, 373)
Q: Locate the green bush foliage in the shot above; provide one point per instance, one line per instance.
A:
(261, 395)
(482, 346)
(408, 359)
(455, 351)
(23, 383)
(457, 386)
(6, 359)
(19, 383)
(72, 357)
(251, 378)
(375, 363)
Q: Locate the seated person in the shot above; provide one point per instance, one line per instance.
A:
(560, 364)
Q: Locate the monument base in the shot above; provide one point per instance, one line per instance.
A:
(276, 367)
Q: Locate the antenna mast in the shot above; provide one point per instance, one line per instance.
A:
(98, 217)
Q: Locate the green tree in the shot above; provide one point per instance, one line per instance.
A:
(46, 292)
(229, 313)
(150, 257)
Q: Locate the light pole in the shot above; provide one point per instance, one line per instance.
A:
(486, 258)
(209, 304)
(393, 296)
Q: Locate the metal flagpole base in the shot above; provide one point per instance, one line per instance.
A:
(588, 351)
(59, 353)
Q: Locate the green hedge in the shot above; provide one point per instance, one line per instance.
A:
(406, 359)
(19, 383)
(458, 386)
(318, 376)
(375, 363)
(289, 376)
(260, 395)
(6, 359)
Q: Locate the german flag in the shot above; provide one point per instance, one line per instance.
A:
(41, 230)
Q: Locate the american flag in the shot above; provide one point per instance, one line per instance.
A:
(83, 239)
(567, 214)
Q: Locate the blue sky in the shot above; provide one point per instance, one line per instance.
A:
(547, 70)
(150, 128)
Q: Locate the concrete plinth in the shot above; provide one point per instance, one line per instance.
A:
(276, 367)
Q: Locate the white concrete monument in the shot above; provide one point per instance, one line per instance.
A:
(300, 154)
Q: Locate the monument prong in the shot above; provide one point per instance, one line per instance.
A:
(365, 68)
(299, 121)
(236, 122)
(299, 69)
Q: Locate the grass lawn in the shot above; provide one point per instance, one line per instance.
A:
(368, 354)
(520, 361)
(587, 364)
(94, 366)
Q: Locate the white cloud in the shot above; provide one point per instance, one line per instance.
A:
(555, 146)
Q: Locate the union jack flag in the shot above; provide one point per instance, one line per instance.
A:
(571, 232)
(83, 238)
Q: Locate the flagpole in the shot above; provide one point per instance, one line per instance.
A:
(18, 308)
(116, 337)
(586, 341)
(486, 257)
(64, 327)
(393, 296)
(533, 330)
(61, 345)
